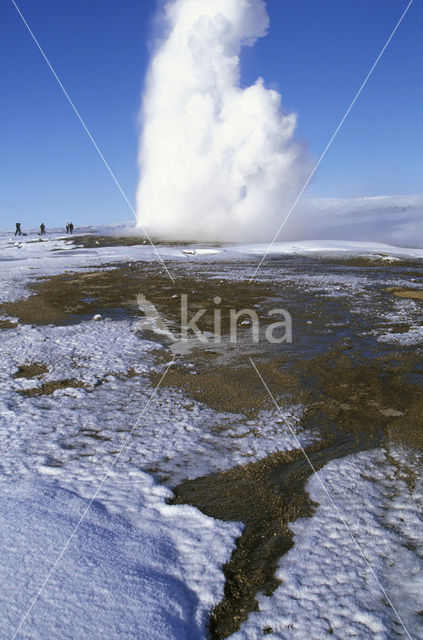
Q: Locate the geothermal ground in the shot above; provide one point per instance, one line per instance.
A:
(202, 517)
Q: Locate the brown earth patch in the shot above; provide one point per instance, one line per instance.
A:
(402, 292)
(91, 241)
(31, 370)
(8, 324)
(47, 388)
(72, 297)
(225, 389)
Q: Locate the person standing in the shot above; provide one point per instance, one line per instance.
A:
(42, 229)
(70, 227)
(18, 231)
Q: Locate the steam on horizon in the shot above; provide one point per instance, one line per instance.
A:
(217, 161)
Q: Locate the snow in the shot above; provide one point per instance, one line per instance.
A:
(330, 247)
(414, 336)
(59, 253)
(405, 312)
(183, 439)
(153, 578)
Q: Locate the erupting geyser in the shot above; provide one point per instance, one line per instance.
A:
(217, 161)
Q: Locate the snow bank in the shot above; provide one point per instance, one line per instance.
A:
(343, 248)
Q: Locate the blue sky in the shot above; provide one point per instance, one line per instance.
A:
(316, 54)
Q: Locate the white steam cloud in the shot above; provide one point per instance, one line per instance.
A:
(217, 161)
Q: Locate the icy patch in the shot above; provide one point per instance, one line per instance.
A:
(329, 247)
(406, 312)
(328, 590)
(414, 336)
(89, 351)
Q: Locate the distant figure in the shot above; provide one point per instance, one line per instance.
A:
(18, 231)
(42, 229)
(70, 227)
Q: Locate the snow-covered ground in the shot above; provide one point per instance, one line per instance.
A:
(74, 433)
(340, 583)
(137, 567)
(154, 575)
(54, 245)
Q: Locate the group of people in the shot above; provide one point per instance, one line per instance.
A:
(18, 232)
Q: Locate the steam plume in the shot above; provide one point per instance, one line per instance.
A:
(217, 161)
